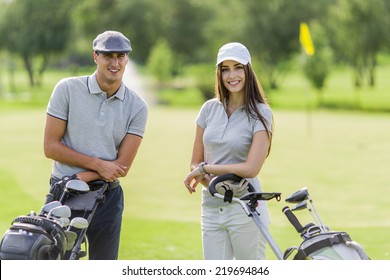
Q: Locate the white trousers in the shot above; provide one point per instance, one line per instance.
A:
(228, 233)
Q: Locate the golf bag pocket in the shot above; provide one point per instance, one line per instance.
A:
(33, 238)
(330, 246)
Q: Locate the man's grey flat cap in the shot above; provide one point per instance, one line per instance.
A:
(111, 41)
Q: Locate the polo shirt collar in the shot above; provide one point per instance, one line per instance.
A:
(94, 88)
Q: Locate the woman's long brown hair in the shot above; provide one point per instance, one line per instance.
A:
(254, 94)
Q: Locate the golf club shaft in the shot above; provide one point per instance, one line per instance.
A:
(315, 218)
(77, 247)
(320, 223)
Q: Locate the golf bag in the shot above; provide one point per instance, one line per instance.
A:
(330, 246)
(33, 238)
(319, 242)
(55, 235)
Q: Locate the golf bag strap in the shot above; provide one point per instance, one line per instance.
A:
(338, 238)
(48, 226)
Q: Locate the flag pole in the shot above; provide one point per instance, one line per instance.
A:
(307, 49)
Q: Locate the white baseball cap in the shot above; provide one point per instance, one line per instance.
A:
(234, 51)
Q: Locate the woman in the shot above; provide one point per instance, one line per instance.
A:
(233, 135)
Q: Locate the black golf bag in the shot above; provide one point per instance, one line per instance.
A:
(46, 237)
(33, 238)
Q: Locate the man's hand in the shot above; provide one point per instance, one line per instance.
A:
(110, 170)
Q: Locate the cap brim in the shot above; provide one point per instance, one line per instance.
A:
(240, 60)
(105, 51)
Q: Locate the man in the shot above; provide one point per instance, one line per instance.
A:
(94, 127)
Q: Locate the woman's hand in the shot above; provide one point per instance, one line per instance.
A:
(193, 179)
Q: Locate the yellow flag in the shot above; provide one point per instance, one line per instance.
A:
(305, 39)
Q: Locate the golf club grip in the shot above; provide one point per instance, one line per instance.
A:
(49, 198)
(293, 219)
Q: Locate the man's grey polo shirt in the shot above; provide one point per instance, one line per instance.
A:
(95, 125)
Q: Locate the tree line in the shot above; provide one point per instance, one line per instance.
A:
(352, 32)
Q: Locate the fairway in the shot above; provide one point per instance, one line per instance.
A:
(341, 157)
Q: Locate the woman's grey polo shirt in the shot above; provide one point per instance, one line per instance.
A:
(96, 125)
(226, 139)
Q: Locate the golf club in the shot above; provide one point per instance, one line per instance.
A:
(305, 231)
(302, 195)
(47, 207)
(71, 236)
(78, 223)
(293, 219)
(74, 187)
(303, 205)
(298, 196)
(62, 211)
(63, 222)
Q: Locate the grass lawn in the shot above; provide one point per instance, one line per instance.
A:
(339, 93)
(341, 157)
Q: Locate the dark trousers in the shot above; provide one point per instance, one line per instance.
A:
(104, 230)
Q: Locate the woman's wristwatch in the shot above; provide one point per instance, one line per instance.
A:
(201, 168)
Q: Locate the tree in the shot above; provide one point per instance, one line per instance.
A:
(180, 22)
(35, 30)
(160, 62)
(142, 21)
(185, 31)
(271, 31)
(357, 31)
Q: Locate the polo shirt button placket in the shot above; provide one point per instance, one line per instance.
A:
(103, 108)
